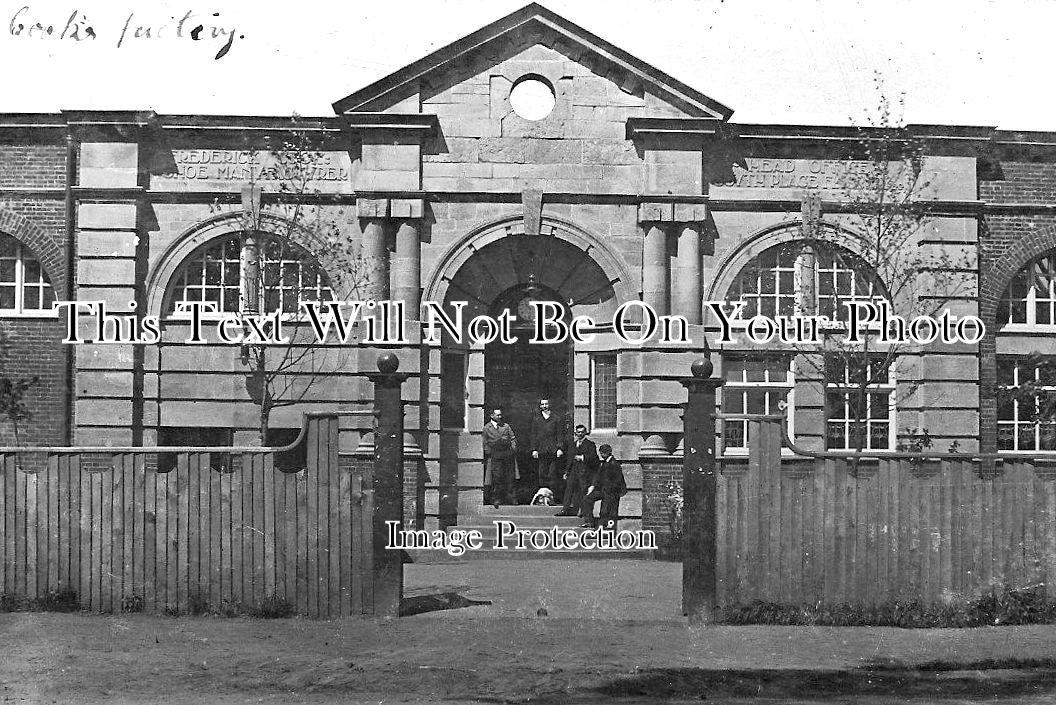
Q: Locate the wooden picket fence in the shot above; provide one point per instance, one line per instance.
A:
(797, 529)
(107, 525)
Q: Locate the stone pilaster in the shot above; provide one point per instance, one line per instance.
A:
(686, 274)
(406, 270)
(656, 277)
(672, 263)
(374, 252)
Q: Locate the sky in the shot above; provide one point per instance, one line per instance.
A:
(970, 62)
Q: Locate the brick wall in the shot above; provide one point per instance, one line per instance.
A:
(34, 346)
(1006, 242)
(32, 166)
(658, 474)
(35, 349)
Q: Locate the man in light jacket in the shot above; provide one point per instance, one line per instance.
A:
(500, 465)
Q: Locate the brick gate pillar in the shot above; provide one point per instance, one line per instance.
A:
(699, 550)
(387, 484)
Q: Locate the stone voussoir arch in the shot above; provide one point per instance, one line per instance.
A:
(993, 284)
(761, 240)
(459, 252)
(46, 250)
(224, 225)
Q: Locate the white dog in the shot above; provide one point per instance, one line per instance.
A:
(544, 497)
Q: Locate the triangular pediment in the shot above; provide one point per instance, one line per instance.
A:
(531, 25)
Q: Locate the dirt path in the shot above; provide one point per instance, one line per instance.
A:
(139, 659)
(612, 633)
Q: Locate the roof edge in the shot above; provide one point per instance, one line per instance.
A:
(533, 12)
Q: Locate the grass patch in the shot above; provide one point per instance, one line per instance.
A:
(999, 606)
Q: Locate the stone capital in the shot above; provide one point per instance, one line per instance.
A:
(673, 213)
(394, 208)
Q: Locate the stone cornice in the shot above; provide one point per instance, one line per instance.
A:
(424, 124)
(702, 128)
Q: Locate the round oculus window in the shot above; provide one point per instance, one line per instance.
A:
(532, 98)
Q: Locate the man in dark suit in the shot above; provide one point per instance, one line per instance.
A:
(548, 445)
(500, 452)
(608, 485)
(582, 463)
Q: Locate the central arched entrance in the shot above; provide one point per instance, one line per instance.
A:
(497, 268)
(517, 376)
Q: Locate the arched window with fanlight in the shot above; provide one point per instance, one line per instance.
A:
(805, 278)
(249, 272)
(1026, 365)
(1030, 299)
(25, 289)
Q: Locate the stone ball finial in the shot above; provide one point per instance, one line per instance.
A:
(702, 368)
(388, 363)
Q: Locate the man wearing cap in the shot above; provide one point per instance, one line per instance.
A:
(606, 484)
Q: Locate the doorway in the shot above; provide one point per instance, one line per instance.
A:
(516, 377)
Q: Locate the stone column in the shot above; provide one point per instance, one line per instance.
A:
(407, 267)
(686, 274)
(375, 260)
(656, 278)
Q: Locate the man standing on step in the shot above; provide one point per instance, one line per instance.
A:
(500, 452)
(608, 485)
(582, 463)
(548, 445)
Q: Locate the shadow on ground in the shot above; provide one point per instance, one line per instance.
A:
(961, 680)
(420, 604)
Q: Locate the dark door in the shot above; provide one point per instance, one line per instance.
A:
(516, 377)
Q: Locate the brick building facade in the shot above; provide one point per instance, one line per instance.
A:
(634, 186)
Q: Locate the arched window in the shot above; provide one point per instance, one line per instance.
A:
(287, 275)
(1030, 298)
(804, 277)
(24, 287)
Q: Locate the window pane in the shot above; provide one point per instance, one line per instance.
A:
(7, 297)
(733, 435)
(834, 405)
(1047, 436)
(733, 401)
(1006, 438)
(732, 369)
(230, 300)
(766, 282)
(1026, 436)
(1042, 313)
(453, 390)
(755, 370)
(787, 283)
(878, 436)
(836, 436)
(603, 392)
(8, 246)
(7, 270)
(1005, 371)
(756, 401)
(30, 297)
